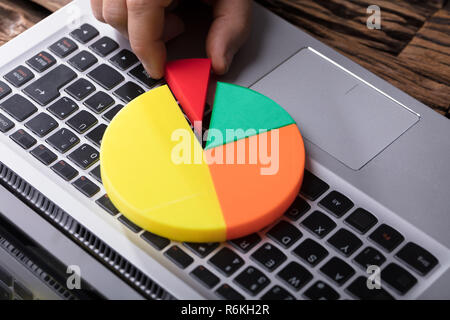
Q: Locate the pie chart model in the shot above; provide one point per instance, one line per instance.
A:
(157, 174)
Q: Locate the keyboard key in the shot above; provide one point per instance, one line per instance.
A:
(205, 277)
(155, 241)
(387, 237)
(277, 293)
(42, 61)
(105, 203)
(84, 33)
(336, 203)
(104, 46)
(42, 124)
(85, 156)
(313, 187)
(179, 257)
(82, 121)
(417, 258)
(311, 252)
(337, 270)
(252, 280)
(398, 278)
(86, 187)
(124, 59)
(63, 47)
(297, 209)
(23, 139)
(96, 135)
(361, 220)
(5, 124)
(228, 293)
(360, 290)
(18, 107)
(83, 60)
(4, 90)
(108, 116)
(63, 140)
(64, 170)
(63, 108)
(129, 224)
(139, 73)
(19, 76)
(226, 261)
(295, 275)
(99, 102)
(321, 291)
(129, 91)
(345, 242)
(319, 224)
(95, 173)
(370, 257)
(44, 155)
(284, 233)
(106, 76)
(269, 256)
(245, 244)
(201, 249)
(80, 89)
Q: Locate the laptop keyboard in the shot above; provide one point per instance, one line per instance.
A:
(60, 108)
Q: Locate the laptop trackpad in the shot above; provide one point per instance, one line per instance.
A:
(334, 110)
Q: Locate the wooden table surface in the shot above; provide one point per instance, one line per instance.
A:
(411, 50)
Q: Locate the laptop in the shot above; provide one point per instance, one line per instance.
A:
(371, 220)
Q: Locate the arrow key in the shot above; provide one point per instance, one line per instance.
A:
(124, 59)
(104, 46)
(83, 60)
(85, 33)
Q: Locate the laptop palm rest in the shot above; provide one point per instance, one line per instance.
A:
(335, 110)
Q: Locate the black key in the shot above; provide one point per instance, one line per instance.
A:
(46, 89)
(345, 242)
(105, 203)
(44, 155)
(85, 156)
(387, 237)
(19, 76)
(226, 261)
(96, 135)
(245, 244)
(297, 209)
(42, 61)
(284, 233)
(398, 278)
(80, 89)
(18, 107)
(83, 60)
(319, 224)
(140, 74)
(86, 186)
(252, 280)
(63, 47)
(205, 277)
(99, 102)
(42, 124)
(336, 203)
(84, 33)
(82, 121)
(4, 90)
(156, 241)
(63, 108)
(295, 275)
(129, 91)
(23, 139)
(361, 220)
(228, 293)
(370, 257)
(311, 252)
(62, 140)
(360, 290)
(95, 173)
(104, 46)
(179, 257)
(313, 187)
(337, 270)
(269, 256)
(124, 59)
(106, 76)
(201, 249)
(277, 293)
(417, 258)
(129, 224)
(64, 170)
(5, 124)
(112, 113)
(321, 291)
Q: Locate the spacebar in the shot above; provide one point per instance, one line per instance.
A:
(46, 89)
